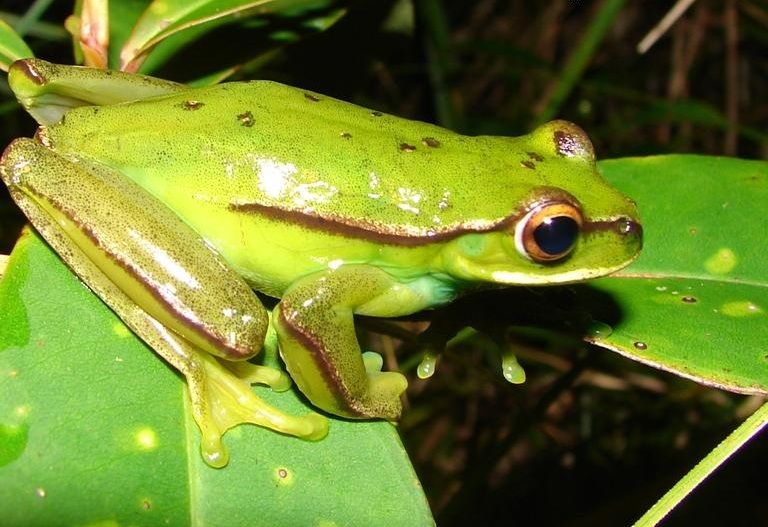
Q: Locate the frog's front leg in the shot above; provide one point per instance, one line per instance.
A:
(315, 327)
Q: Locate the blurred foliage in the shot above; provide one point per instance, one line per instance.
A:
(591, 438)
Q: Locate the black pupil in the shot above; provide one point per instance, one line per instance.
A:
(556, 235)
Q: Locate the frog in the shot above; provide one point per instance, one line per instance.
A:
(175, 205)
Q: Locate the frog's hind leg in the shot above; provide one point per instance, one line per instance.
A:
(221, 396)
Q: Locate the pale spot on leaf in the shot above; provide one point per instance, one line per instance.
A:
(146, 439)
(740, 308)
(722, 262)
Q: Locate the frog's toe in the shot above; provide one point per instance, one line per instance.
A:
(317, 427)
(511, 369)
(213, 450)
(222, 398)
(384, 390)
(373, 362)
(276, 379)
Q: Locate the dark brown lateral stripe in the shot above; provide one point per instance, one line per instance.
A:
(28, 69)
(363, 230)
(631, 227)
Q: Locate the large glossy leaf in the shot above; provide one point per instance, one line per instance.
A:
(696, 301)
(94, 430)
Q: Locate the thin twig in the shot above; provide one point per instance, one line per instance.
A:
(663, 26)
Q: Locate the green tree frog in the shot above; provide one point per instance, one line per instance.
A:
(173, 204)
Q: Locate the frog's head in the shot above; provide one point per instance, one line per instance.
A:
(568, 223)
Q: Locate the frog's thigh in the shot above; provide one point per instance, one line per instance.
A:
(315, 326)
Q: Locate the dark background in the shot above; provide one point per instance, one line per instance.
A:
(591, 438)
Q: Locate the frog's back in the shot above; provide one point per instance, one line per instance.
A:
(272, 150)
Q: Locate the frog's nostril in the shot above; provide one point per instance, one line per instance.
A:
(631, 231)
(628, 227)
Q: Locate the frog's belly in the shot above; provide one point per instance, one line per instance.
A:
(272, 254)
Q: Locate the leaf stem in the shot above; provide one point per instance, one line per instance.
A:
(730, 445)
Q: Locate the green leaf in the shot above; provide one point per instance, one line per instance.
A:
(123, 16)
(12, 46)
(164, 19)
(696, 301)
(95, 430)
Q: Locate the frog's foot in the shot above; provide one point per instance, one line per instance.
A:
(222, 398)
(387, 386)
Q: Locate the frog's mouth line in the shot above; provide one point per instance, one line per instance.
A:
(575, 275)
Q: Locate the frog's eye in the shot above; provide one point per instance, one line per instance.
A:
(548, 232)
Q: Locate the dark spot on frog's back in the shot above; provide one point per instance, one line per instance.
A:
(246, 119)
(405, 147)
(430, 142)
(310, 97)
(192, 105)
(376, 114)
(572, 141)
(528, 164)
(346, 135)
(535, 156)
